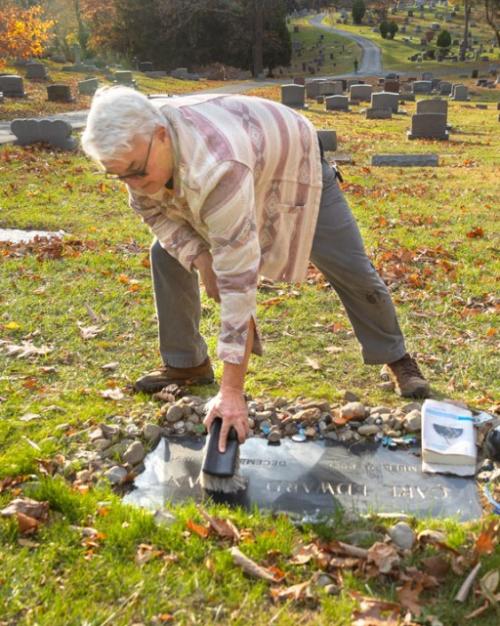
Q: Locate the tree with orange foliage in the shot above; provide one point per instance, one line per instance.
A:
(23, 32)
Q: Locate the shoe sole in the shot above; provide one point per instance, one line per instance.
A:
(156, 387)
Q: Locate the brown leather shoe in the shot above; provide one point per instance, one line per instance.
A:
(408, 380)
(153, 382)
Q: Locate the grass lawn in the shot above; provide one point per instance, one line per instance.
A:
(432, 232)
(36, 103)
(344, 50)
(396, 52)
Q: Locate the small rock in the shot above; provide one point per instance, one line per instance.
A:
(132, 431)
(135, 453)
(274, 436)
(110, 431)
(412, 406)
(402, 535)
(96, 434)
(101, 444)
(368, 429)
(179, 427)
(346, 435)
(413, 421)
(332, 435)
(62, 427)
(380, 410)
(349, 396)
(263, 415)
(332, 590)
(353, 410)
(324, 580)
(484, 476)
(152, 433)
(116, 475)
(174, 414)
(84, 476)
(307, 415)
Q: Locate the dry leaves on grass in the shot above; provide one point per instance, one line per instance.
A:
(25, 349)
(89, 332)
(224, 528)
(384, 556)
(374, 612)
(252, 568)
(112, 394)
(146, 552)
(29, 513)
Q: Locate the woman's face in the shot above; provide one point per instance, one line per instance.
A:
(147, 166)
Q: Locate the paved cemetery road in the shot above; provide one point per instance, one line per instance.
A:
(78, 119)
(371, 63)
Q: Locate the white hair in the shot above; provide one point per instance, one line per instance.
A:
(117, 116)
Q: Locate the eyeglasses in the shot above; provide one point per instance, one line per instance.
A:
(139, 173)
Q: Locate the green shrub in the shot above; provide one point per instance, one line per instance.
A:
(392, 29)
(444, 39)
(384, 29)
(358, 11)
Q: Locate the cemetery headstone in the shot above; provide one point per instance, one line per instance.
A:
(313, 88)
(392, 85)
(293, 95)
(445, 88)
(36, 71)
(385, 100)
(360, 93)
(433, 105)
(54, 132)
(59, 93)
(328, 140)
(124, 77)
(299, 80)
(422, 86)
(145, 66)
(12, 86)
(405, 160)
(331, 88)
(460, 93)
(310, 478)
(88, 87)
(428, 126)
(337, 103)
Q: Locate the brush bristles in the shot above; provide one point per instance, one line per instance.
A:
(231, 484)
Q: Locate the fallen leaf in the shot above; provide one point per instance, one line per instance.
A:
(27, 524)
(146, 552)
(313, 363)
(198, 529)
(436, 565)
(112, 394)
(384, 556)
(89, 332)
(32, 508)
(334, 349)
(295, 592)
(12, 326)
(110, 366)
(224, 528)
(25, 349)
(28, 417)
(409, 595)
(374, 612)
(476, 233)
(485, 543)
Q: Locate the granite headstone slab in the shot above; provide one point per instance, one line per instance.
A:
(304, 478)
(36, 71)
(293, 95)
(59, 93)
(11, 85)
(57, 133)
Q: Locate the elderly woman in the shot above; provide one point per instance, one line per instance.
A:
(236, 187)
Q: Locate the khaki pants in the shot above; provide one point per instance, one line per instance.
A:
(337, 251)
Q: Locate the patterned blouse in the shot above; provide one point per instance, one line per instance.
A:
(247, 187)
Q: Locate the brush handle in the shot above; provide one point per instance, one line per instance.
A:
(216, 463)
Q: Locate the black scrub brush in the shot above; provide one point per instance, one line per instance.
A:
(220, 470)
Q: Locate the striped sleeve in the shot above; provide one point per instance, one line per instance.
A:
(177, 237)
(228, 211)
